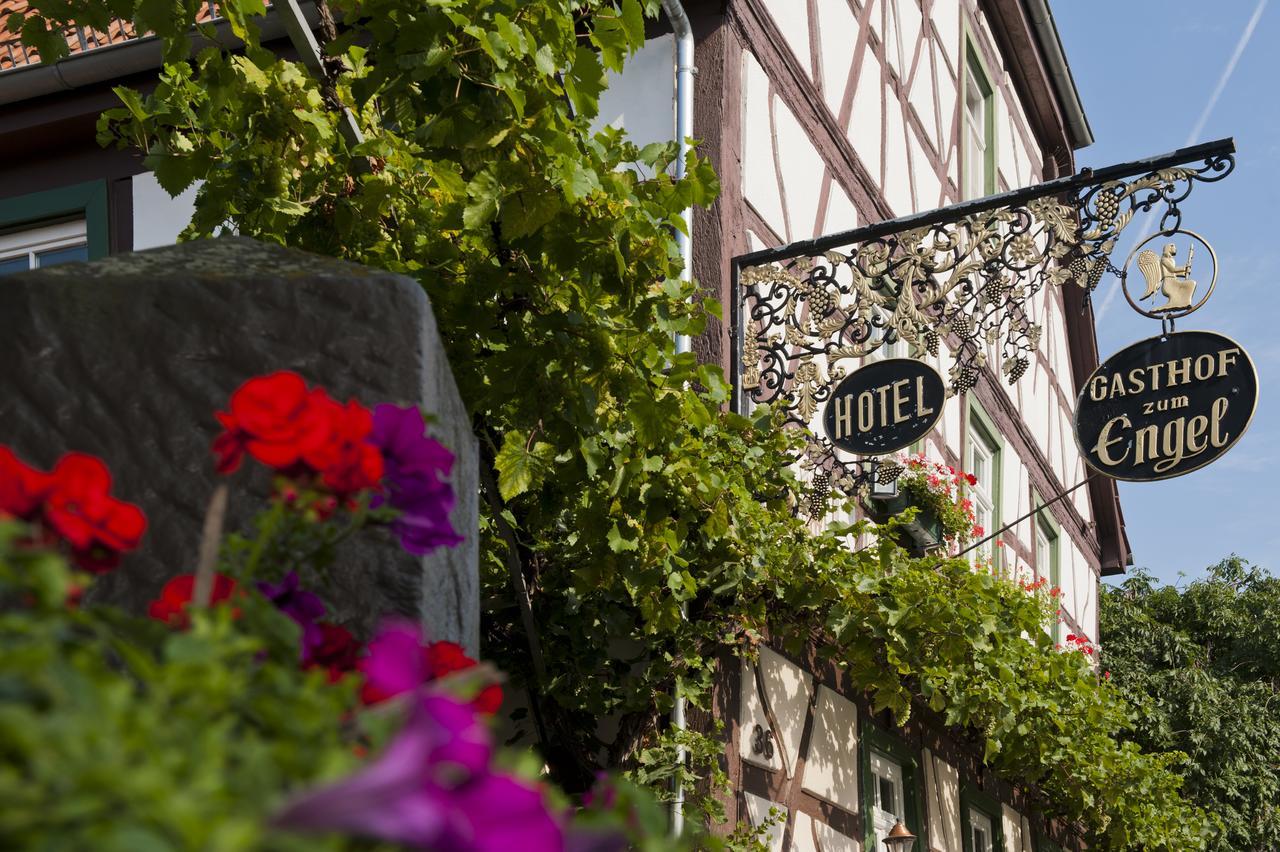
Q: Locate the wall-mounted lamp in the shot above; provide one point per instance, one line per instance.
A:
(884, 485)
(899, 839)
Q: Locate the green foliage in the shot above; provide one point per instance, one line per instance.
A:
(651, 529)
(1201, 665)
(118, 734)
(975, 648)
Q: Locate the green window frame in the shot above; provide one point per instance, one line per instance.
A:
(875, 740)
(973, 799)
(87, 200)
(976, 81)
(981, 428)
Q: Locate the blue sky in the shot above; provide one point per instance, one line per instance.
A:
(1147, 70)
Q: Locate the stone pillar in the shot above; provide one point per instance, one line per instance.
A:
(128, 357)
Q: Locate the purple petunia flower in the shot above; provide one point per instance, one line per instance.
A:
(302, 606)
(394, 663)
(433, 788)
(416, 470)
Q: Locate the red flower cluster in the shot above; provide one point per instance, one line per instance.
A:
(175, 598)
(301, 432)
(1080, 643)
(1029, 586)
(438, 660)
(338, 652)
(72, 503)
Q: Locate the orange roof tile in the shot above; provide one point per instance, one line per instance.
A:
(13, 54)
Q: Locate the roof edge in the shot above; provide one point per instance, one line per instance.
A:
(1064, 84)
(122, 59)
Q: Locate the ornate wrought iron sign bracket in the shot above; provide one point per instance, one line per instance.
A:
(953, 285)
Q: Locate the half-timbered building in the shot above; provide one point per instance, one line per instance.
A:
(819, 116)
(822, 116)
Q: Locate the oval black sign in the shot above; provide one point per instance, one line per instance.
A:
(1166, 406)
(885, 406)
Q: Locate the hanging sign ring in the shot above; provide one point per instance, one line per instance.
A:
(1168, 273)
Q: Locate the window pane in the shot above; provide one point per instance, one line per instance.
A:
(886, 796)
(981, 831)
(14, 264)
(62, 255)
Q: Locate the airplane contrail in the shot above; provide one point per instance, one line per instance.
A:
(1193, 136)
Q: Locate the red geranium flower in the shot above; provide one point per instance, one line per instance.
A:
(445, 657)
(275, 419)
(80, 510)
(175, 598)
(399, 661)
(338, 651)
(22, 488)
(348, 461)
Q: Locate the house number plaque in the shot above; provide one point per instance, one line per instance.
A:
(885, 406)
(1166, 406)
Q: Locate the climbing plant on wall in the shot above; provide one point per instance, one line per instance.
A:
(632, 529)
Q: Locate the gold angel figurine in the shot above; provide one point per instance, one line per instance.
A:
(1164, 274)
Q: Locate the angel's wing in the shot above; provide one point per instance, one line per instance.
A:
(1149, 263)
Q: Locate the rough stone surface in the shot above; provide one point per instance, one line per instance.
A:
(128, 357)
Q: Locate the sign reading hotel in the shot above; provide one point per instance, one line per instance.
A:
(1166, 406)
(885, 406)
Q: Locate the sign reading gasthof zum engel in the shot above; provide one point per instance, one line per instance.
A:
(1166, 406)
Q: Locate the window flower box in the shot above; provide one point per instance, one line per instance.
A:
(918, 536)
(944, 517)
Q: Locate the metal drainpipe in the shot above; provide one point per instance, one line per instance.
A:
(685, 70)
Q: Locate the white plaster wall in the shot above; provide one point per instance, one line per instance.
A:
(759, 171)
(810, 835)
(157, 218)
(787, 688)
(946, 21)
(922, 100)
(831, 763)
(641, 99)
(802, 170)
(928, 187)
(837, 28)
(758, 812)
(942, 805)
(897, 172)
(865, 121)
(792, 18)
(1015, 497)
(1014, 838)
(750, 714)
(841, 214)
